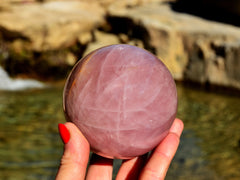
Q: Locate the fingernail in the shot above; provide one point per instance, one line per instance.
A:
(64, 133)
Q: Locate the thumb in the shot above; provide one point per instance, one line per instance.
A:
(76, 153)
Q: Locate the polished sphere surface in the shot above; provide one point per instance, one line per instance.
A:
(122, 98)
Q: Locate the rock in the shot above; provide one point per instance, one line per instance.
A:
(101, 39)
(37, 35)
(107, 3)
(214, 62)
(85, 37)
(50, 25)
(192, 48)
(104, 39)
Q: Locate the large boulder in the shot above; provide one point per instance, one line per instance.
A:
(37, 36)
(193, 49)
(50, 25)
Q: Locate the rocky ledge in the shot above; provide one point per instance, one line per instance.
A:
(46, 38)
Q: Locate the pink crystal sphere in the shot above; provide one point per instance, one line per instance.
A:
(123, 99)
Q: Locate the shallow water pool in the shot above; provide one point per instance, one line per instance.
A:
(30, 147)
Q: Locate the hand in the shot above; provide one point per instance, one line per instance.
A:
(76, 155)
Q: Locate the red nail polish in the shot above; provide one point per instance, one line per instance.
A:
(64, 133)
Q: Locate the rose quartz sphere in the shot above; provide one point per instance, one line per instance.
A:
(123, 99)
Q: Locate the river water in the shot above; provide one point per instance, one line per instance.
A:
(30, 147)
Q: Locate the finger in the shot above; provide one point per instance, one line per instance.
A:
(157, 166)
(100, 168)
(131, 168)
(177, 127)
(76, 153)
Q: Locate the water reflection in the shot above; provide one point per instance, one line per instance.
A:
(30, 147)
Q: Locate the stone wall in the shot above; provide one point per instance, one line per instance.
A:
(48, 37)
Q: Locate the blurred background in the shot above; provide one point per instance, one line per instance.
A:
(199, 41)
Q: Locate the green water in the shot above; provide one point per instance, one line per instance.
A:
(30, 147)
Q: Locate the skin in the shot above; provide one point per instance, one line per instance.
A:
(76, 156)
